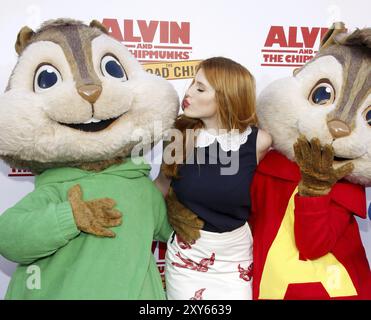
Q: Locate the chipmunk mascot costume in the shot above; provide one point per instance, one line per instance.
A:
(307, 191)
(76, 105)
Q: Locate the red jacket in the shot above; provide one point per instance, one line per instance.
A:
(315, 252)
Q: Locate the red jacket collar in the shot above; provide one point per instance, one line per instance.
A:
(349, 195)
(277, 165)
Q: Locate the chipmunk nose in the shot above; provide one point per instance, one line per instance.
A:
(90, 92)
(338, 128)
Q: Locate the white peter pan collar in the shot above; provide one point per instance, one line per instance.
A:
(228, 141)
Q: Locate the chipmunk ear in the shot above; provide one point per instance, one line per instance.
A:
(23, 38)
(295, 71)
(329, 37)
(100, 26)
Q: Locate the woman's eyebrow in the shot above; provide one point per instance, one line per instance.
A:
(200, 83)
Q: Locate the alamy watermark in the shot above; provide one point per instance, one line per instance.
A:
(33, 281)
(180, 152)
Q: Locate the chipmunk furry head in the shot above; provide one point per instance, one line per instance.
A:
(78, 96)
(328, 98)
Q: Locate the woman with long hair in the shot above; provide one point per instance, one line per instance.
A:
(222, 146)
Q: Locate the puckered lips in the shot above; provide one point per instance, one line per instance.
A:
(185, 104)
(92, 125)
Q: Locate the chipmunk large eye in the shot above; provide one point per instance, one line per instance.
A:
(112, 68)
(367, 115)
(322, 93)
(46, 76)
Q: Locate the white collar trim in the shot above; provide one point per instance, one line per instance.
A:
(228, 141)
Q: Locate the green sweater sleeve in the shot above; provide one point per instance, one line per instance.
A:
(36, 227)
(163, 229)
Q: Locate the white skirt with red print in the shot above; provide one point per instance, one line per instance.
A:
(218, 266)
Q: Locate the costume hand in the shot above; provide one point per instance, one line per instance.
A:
(185, 223)
(318, 174)
(95, 215)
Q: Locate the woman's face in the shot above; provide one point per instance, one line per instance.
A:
(199, 101)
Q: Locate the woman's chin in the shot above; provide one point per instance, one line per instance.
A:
(188, 113)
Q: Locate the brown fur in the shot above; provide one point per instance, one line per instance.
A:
(97, 24)
(74, 38)
(38, 168)
(100, 165)
(360, 38)
(353, 52)
(316, 166)
(93, 216)
(329, 38)
(75, 41)
(185, 223)
(23, 39)
(26, 35)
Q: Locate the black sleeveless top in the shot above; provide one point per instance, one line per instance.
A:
(221, 200)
